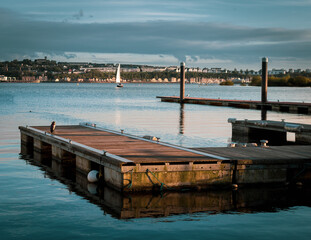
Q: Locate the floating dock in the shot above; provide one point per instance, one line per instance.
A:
(274, 131)
(291, 107)
(130, 163)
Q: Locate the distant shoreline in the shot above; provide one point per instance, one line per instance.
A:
(90, 82)
(144, 82)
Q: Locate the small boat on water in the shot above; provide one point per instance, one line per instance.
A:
(118, 79)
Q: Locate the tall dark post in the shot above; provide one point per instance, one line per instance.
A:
(264, 81)
(263, 113)
(182, 82)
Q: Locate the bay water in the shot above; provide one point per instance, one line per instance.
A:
(34, 205)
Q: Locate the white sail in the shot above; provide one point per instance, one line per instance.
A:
(118, 74)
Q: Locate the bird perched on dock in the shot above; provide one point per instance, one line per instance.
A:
(52, 127)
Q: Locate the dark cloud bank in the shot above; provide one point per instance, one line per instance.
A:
(21, 36)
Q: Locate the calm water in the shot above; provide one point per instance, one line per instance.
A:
(34, 204)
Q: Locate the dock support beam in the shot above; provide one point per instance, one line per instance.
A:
(264, 81)
(182, 82)
(303, 138)
(42, 147)
(63, 156)
(83, 164)
(27, 143)
(240, 133)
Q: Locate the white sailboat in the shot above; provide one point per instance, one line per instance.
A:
(118, 78)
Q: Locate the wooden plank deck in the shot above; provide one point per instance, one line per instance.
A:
(134, 149)
(273, 125)
(271, 154)
(146, 151)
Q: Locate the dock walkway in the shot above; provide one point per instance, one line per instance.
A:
(132, 163)
(292, 107)
(130, 148)
(270, 154)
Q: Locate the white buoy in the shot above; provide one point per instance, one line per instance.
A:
(93, 176)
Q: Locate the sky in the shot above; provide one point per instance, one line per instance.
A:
(202, 33)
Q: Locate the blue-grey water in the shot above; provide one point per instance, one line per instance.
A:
(36, 205)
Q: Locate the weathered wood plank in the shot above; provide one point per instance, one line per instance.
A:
(259, 153)
(294, 107)
(141, 151)
(137, 150)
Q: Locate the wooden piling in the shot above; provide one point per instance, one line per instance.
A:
(264, 81)
(182, 82)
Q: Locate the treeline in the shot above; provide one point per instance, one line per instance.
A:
(147, 75)
(28, 67)
(288, 81)
(227, 83)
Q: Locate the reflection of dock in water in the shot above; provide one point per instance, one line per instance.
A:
(139, 205)
(182, 119)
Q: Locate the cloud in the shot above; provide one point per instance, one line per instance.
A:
(227, 44)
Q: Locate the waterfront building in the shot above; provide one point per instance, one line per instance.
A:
(3, 78)
(277, 71)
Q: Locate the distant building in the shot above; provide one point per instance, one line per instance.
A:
(136, 69)
(41, 61)
(215, 70)
(160, 69)
(101, 69)
(277, 71)
(147, 69)
(3, 78)
(44, 61)
(192, 69)
(172, 69)
(192, 80)
(28, 78)
(205, 80)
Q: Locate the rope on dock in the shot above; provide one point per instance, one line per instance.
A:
(129, 186)
(162, 184)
